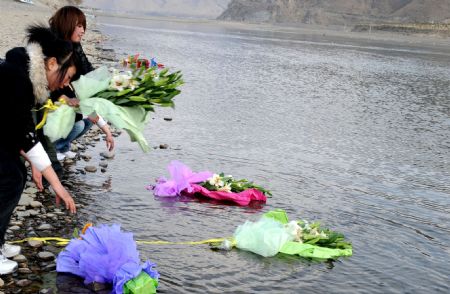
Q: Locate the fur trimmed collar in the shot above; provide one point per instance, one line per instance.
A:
(37, 73)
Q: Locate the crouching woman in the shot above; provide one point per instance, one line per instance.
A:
(26, 76)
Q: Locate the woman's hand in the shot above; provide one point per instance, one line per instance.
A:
(36, 175)
(74, 102)
(109, 142)
(60, 191)
(109, 138)
(62, 194)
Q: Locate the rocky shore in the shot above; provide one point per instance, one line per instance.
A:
(36, 215)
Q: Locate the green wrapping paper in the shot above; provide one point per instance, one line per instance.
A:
(142, 284)
(267, 237)
(313, 251)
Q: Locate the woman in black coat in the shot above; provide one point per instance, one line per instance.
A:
(26, 76)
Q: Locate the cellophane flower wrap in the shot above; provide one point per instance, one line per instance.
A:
(105, 254)
(123, 98)
(273, 233)
(219, 187)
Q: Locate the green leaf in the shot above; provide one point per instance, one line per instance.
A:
(137, 98)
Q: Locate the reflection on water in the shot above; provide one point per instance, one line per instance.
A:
(354, 135)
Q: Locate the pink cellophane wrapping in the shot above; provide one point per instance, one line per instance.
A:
(242, 198)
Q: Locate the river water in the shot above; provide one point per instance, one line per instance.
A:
(354, 134)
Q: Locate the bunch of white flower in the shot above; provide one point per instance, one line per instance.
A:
(218, 182)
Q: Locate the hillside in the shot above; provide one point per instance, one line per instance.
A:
(183, 8)
(338, 12)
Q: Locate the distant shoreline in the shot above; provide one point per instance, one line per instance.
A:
(333, 34)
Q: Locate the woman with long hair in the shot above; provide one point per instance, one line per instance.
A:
(69, 23)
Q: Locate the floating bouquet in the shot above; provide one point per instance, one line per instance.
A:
(123, 98)
(105, 254)
(220, 187)
(273, 233)
(226, 183)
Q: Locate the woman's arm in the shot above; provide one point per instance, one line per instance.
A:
(103, 125)
(40, 162)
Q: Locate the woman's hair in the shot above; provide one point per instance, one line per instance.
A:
(52, 46)
(65, 20)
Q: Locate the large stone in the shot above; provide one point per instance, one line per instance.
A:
(25, 200)
(44, 227)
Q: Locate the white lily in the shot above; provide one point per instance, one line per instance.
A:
(226, 188)
(216, 181)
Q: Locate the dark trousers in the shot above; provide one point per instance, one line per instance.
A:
(13, 176)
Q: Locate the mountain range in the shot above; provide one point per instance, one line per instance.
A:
(182, 8)
(338, 12)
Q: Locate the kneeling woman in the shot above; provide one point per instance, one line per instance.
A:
(26, 76)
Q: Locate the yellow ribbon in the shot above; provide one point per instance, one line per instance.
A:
(48, 106)
(62, 241)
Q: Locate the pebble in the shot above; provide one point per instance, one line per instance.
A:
(103, 170)
(35, 243)
(24, 270)
(167, 118)
(33, 212)
(50, 267)
(23, 283)
(103, 164)
(35, 204)
(68, 161)
(90, 168)
(22, 214)
(14, 228)
(31, 190)
(1, 283)
(107, 154)
(44, 227)
(25, 200)
(45, 255)
(20, 258)
(163, 146)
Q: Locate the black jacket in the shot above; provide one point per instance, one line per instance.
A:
(82, 63)
(23, 82)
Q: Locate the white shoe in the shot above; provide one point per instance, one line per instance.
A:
(7, 266)
(70, 154)
(60, 156)
(10, 250)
